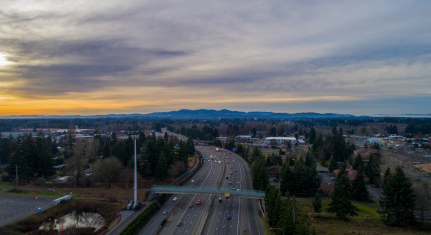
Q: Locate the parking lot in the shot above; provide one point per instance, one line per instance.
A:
(14, 207)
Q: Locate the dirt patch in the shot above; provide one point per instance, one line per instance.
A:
(424, 167)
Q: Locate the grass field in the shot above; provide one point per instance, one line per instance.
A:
(267, 152)
(367, 222)
(110, 212)
(40, 193)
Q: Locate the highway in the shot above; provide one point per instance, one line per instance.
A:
(210, 216)
(243, 211)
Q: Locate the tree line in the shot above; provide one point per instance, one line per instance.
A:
(30, 156)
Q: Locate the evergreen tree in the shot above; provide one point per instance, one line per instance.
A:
(162, 166)
(287, 216)
(260, 176)
(372, 169)
(6, 146)
(190, 147)
(309, 159)
(313, 180)
(273, 201)
(398, 200)
(19, 161)
(360, 191)
(357, 162)
(182, 152)
(287, 179)
(341, 203)
(256, 154)
(332, 164)
(300, 172)
(317, 202)
(312, 135)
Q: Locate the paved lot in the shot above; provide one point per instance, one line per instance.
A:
(14, 207)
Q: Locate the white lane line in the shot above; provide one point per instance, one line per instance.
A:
(186, 209)
(239, 198)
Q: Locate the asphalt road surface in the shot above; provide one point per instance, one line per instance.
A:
(15, 207)
(210, 216)
(244, 212)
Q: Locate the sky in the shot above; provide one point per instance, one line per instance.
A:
(110, 57)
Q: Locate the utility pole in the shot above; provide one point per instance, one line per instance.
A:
(16, 176)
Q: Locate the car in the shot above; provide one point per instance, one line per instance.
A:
(230, 182)
(165, 212)
(233, 189)
(190, 206)
(198, 202)
(179, 223)
(192, 181)
(228, 217)
(175, 199)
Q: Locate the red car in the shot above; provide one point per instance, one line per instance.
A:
(198, 202)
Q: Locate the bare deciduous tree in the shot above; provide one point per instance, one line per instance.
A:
(108, 170)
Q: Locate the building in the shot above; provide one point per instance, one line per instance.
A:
(243, 138)
(274, 172)
(282, 140)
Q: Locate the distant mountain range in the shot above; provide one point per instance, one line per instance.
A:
(200, 114)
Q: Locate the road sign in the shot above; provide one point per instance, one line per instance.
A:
(227, 194)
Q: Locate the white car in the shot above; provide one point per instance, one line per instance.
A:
(175, 199)
(192, 181)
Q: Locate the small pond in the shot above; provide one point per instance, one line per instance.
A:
(74, 220)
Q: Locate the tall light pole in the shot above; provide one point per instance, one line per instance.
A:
(135, 186)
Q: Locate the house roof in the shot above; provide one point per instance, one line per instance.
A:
(273, 169)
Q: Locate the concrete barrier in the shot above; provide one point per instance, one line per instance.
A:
(58, 200)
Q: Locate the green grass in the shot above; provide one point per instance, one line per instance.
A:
(267, 152)
(367, 222)
(40, 193)
(7, 184)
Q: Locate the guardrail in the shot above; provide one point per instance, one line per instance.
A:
(58, 200)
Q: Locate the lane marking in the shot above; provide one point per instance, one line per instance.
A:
(186, 209)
